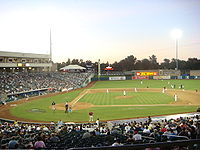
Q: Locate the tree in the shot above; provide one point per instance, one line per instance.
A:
(193, 63)
(68, 62)
(145, 64)
(126, 64)
(138, 65)
(153, 62)
(172, 64)
(131, 63)
(182, 64)
(130, 60)
(75, 62)
(116, 66)
(165, 64)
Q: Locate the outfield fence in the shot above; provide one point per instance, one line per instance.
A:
(128, 77)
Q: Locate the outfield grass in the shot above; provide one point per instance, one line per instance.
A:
(188, 84)
(139, 98)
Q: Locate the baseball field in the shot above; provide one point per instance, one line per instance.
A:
(109, 100)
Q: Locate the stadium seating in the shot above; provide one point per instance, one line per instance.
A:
(18, 85)
(21, 135)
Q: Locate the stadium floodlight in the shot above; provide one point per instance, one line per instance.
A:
(176, 34)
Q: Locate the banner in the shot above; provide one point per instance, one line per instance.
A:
(180, 77)
(196, 77)
(161, 77)
(146, 73)
(108, 68)
(140, 77)
(117, 78)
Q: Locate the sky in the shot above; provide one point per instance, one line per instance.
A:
(109, 30)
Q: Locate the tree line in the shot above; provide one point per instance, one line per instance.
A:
(132, 63)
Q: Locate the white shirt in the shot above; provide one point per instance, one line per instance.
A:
(137, 137)
(146, 131)
(127, 128)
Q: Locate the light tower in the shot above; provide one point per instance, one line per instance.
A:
(50, 47)
(99, 69)
(176, 34)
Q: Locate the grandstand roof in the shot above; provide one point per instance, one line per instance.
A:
(72, 67)
(23, 55)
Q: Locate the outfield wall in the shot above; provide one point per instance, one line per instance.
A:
(111, 78)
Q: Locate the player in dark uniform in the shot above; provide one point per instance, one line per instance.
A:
(53, 106)
(66, 107)
(90, 116)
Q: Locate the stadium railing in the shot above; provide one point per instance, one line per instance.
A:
(191, 144)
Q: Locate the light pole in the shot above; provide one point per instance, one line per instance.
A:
(176, 54)
(176, 34)
(99, 69)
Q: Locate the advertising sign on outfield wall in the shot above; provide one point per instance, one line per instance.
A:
(117, 78)
(146, 73)
(180, 77)
(196, 77)
(161, 77)
(140, 77)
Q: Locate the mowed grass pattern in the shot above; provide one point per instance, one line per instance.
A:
(188, 84)
(140, 98)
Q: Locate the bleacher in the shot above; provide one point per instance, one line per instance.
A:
(162, 135)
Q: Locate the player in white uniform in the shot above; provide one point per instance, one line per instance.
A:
(124, 93)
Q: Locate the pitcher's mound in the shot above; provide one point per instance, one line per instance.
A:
(123, 97)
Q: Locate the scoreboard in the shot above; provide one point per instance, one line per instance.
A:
(146, 73)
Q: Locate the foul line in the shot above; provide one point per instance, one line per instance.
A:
(78, 98)
(146, 105)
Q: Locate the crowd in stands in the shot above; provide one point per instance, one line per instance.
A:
(63, 136)
(20, 81)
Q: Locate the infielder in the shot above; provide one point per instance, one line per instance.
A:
(53, 106)
(66, 107)
(175, 97)
(163, 91)
(135, 89)
(124, 93)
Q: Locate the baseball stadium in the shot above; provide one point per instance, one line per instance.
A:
(108, 102)
(35, 94)
(100, 74)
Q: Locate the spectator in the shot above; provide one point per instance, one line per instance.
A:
(22, 136)
(13, 144)
(137, 136)
(98, 122)
(11, 83)
(117, 143)
(39, 143)
(54, 138)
